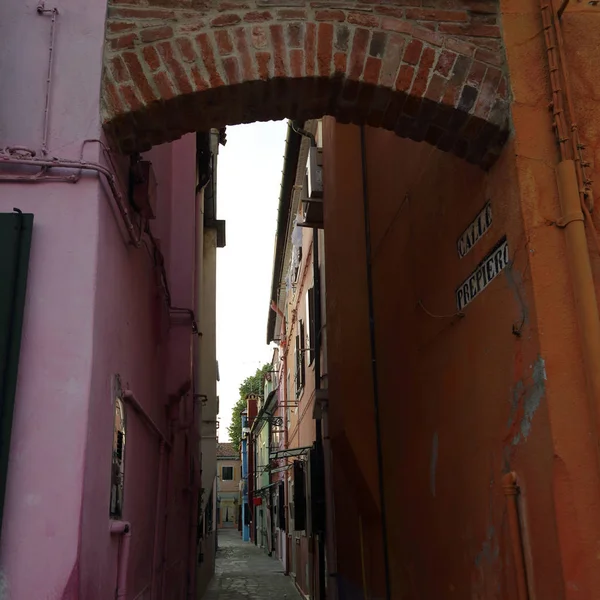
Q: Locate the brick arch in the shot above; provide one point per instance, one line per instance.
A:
(430, 70)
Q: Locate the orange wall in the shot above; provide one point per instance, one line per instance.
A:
(464, 400)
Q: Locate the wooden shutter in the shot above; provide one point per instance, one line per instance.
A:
(15, 242)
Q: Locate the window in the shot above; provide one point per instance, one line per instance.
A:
(117, 483)
(299, 357)
(311, 338)
(227, 474)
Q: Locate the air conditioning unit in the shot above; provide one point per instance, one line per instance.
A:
(313, 189)
(314, 171)
(144, 189)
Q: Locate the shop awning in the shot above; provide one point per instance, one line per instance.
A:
(289, 453)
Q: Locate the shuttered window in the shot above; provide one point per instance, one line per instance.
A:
(15, 242)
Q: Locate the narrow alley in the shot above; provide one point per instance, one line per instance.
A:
(244, 572)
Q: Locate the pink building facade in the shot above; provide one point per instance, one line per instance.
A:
(106, 323)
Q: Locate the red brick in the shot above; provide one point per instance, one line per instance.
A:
(225, 20)
(151, 57)
(175, 68)
(112, 95)
(432, 14)
(287, 14)
(279, 50)
(390, 11)
(405, 77)
(445, 62)
(362, 19)
(296, 62)
(232, 70)
(482, 7)
(436, 87)
(487, 93)
(359, 51)
(330, 15)
(412, 54)
(263, 61)
(223, 40)
(119, 70)
(192, 26)
(339, 62)
(422, 77)
(242, 47)
(208, 57)
(398, 25)
(294, 35)
(489, 56)
(154, 34)
(187, 49)
(225, 5)
(431, 37)
(473, 29)
(165, 88)
(476, 74)
(391, 59)
(457, 79)
(125, 41)
(200, 83)
(309, 48)
(131, 100)
(502, 91)
(120, 26)
(372, 70)
(459, 46)
(259, 37)
(138, 77)
(140, 13)
(257, 16)
(324, 48)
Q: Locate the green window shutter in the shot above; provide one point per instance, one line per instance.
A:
(15, 242)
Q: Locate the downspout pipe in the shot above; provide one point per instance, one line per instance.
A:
(511, 491)
(586, 303)
(122, 529)
(374, 370)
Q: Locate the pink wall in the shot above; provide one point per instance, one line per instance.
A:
(93, 309)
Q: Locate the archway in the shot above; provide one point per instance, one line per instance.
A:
(421, 69)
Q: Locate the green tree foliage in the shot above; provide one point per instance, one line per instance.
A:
(251, 385)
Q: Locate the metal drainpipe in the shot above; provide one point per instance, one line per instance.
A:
(572, 205)
(123, 529)
(374, 372)
(318, 425)
(511, 491)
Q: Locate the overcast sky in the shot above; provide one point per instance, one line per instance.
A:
(249, 178)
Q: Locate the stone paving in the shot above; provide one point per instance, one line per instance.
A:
(245, 572)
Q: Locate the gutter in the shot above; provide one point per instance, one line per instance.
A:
(290, 165)
(263, 410)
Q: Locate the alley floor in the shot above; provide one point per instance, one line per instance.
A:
(245, 572)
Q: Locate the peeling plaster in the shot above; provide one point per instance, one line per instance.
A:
(433, 464)
(490, 551)
(526, 400)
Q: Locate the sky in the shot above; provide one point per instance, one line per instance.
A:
(249, 172)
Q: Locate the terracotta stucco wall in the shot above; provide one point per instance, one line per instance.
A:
(462, 399)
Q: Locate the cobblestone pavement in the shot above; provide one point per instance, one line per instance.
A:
(245, 572)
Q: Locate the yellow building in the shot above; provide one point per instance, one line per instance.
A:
(229, 472)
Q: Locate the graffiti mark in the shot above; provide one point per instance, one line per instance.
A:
(433, 464)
